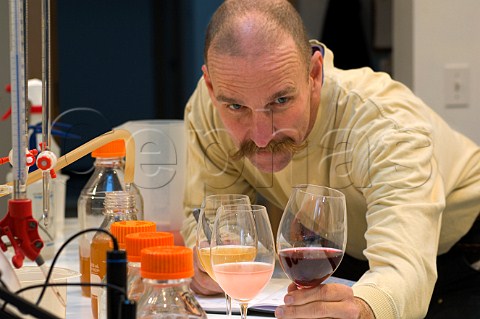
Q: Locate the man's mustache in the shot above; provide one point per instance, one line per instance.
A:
(249, 148)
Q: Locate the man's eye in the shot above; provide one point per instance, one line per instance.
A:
(234, 106)
(281, 100)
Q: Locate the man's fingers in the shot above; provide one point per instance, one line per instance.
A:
(292, 287)
(203, 284)
(323, 292)
(201, 281)
(205, 289)
(324, 301)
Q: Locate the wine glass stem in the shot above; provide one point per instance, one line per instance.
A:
(243, 310)
(228, 302)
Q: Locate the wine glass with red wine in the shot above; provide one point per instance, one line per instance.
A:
(312, 234)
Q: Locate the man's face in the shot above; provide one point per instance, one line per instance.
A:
(264, 102)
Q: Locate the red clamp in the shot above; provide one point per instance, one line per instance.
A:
(22, 231)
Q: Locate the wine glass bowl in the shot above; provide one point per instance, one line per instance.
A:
(245, 228)
(206, 218)
(205, 223)
(312, 234)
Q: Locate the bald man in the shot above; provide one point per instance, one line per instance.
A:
(272, 111)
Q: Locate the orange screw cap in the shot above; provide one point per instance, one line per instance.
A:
(166, 262)
(122, 228)
(135, 242)
(113, 149)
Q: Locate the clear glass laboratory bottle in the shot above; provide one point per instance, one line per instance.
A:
(119, 206)
(134, 243)
(108, 176)
(120, 230)
(166, 273)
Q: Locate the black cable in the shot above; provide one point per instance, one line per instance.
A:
(23, 306)
(50, 271)
(8, 315)
(4, 285)
(12, 299)
(116, 275)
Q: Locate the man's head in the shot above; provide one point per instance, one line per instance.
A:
(263, 79)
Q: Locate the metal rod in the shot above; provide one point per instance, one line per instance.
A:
(46, 74)
(46, 107)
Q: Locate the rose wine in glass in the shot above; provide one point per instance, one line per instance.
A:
(206, 219)
(244, 226)
(312, 234)
(231, 253)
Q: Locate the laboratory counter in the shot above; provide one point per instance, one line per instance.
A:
(79, 306)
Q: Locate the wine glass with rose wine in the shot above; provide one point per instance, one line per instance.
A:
(244, 227)
(206, 218)
(312, 234)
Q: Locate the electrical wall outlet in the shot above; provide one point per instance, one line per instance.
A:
(457, 82)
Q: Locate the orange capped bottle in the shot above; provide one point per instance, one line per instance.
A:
(119, 206)
(108, 176)
(120, 230)
(167, 273)
(134, 243)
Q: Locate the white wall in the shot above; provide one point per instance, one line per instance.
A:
(429, 35)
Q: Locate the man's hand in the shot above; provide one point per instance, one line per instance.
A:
(201, 282)
(324, 301)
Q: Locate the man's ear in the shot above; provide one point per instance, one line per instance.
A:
(316, 70)
(206, 77)
(208, 83)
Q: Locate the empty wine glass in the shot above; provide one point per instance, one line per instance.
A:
(206, 219)
(312, 234)
(242, 230)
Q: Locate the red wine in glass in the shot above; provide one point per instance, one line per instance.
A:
(312, 234)
(309, 266)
